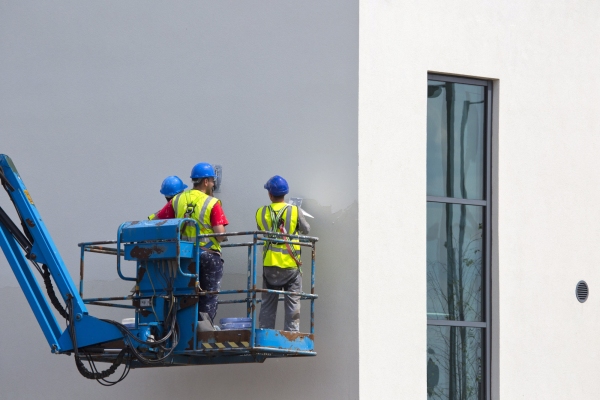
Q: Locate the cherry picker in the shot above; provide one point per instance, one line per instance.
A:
(166, 330)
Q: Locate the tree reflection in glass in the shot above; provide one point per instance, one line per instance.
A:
(454, 367)
(455, 132)
(454, 255)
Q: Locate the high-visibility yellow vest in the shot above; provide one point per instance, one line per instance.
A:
(277, 254)
(196, 205)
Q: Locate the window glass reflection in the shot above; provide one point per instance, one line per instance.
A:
(454, 364)
(455, 132)
(454, 262)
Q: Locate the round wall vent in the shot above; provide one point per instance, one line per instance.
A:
(582, 291)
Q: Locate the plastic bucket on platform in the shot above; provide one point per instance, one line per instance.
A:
(128, 322)
(236, 323)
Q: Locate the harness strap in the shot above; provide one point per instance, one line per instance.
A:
(277, 224)
(189, 211)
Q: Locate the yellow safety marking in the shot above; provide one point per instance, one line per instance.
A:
(28, 196)
(245, 344)
(233, 345)
(207, 345)
(220, 345)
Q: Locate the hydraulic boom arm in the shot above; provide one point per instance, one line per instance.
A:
(34, 246)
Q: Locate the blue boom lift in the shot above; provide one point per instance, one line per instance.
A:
(166, 330)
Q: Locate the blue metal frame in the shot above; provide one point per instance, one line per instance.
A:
(268, 342)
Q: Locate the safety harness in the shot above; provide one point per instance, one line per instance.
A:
(278, 225)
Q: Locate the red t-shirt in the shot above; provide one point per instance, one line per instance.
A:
(217, 216)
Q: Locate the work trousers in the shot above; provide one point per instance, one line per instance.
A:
(287, 279)
(211, 273)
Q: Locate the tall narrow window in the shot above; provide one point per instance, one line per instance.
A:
(458, 238)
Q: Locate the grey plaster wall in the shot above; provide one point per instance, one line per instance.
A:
(99, 101)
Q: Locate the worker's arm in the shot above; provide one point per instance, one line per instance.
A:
(303, 226)
(219, 229)
(218, 220)
(166, 212)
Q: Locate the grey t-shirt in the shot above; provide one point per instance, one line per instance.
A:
(303, 226)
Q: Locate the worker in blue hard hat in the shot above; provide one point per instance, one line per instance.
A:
(171, 186)
(198, 203)
(281, 261)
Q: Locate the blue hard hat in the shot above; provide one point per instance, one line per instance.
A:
(277, 186)
(203, 170)
(172, 185)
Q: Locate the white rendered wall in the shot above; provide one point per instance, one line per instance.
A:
(99, 101)
(545, 59)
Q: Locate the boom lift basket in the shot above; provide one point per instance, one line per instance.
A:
(161, 256)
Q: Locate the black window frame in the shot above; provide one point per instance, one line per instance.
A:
(487, 231)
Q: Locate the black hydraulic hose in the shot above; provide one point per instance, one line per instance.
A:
(5, 181)
(174, 332)
(160, 359)
(106, 382)
(154, 343)
(8, 223)
(9, 188)
(52, 294)
(129, 337)
(79, 364)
